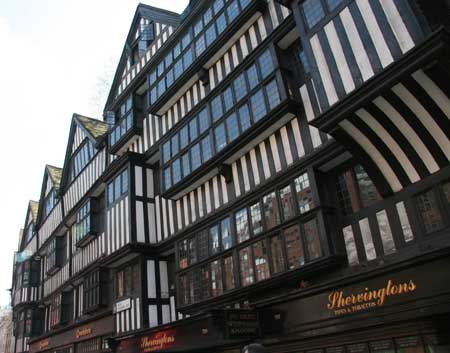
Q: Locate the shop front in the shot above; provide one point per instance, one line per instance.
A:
(403, 310)
(88, 338)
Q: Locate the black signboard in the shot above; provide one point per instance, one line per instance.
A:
(241, 324)
(406, 342)
(339, 349)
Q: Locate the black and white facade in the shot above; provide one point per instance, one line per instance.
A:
(265, 171)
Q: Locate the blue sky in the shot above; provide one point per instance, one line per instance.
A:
(54, 55)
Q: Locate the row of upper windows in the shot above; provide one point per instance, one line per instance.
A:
(241, 118)
(273, 209)
(291, 248)
(204, 31)
(218, 106)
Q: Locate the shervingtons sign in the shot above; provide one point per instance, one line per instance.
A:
(342, 303)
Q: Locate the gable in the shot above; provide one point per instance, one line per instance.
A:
(78, 137)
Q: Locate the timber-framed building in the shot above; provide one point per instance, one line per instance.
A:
(266, 171)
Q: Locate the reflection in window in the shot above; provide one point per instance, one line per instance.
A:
(287, 203)
(404, 221)
(214, 239)
(366, 233)
(240, 86)
(244, 117)
(258, 105)
(216, 278)
(196, 156)
(271, 213)
(367, 191)
(350, 246)
(242, 231)
(304, 193)
(246, 266)
(192, 251)
(273, 94)
(232, 127)
(294, 247)
(266, 63)
(205, 287)
(229, 274)
(261, 260)
(429, 212)
(312, 239)
(256, 217)
(221, 138)
(183, 254)
(276, 248)
(227, 240)
(184, 293)
(385, 232)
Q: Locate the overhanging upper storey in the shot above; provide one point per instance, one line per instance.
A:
(150, 29)
(378, 82)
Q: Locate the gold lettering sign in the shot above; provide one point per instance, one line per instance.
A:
(84, 331)
(43, 344)
(341, 303)
(158, 341)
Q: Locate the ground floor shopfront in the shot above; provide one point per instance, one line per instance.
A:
(402, 309)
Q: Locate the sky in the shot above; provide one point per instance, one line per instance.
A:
(55, 56)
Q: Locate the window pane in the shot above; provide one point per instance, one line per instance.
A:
(367, 191)
(347, 193)
(252, 75)
(241, 220)
(366, 234)
(192, 251)
(429, 212)
(312, 239)
(221, 138)
(313, 12)
(271, 213)
(385, 232)
(206, 289)
(200, 45)
(258, 105)
(184, 137)
(203, 119)
(229, 274)
(206, 148)
(233, 10)
(240, 86)
(216, 108)
(276, 248)
(195, 156)
(273, 94)
(217, 6)
(176, 169)
(232, 127)
(186, 165)
(294, 247)
(304, 193)
(228, 99)
(221, 23)
(193, 129)
(227, 240)
(261, 260)
(184, 297)
(210, 34)
(167, 178)
(244, 117)
(175, 145)
(246, 266)
(166, 151)
(214, 240)
(203, 245)
(266, 63)
(117, 188)
(287, 203)
(255, 214)
(216, 278)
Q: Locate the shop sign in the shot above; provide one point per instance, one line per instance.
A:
(242, 323)
(122, 305)
(43, 344)
(346, 302)
(83, 332)
(158, 341)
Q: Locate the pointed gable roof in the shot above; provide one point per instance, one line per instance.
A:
(33, 206)
(152, 14)
(51, 179)
(92, 129)
(32, 212)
